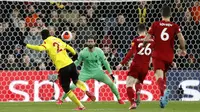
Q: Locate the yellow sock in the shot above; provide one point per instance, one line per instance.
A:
(81, 85)
(74, 99)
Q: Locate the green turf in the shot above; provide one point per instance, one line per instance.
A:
(98, 107)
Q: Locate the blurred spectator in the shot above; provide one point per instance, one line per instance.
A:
(72, 16)
(40, 25)
(112, 56)
(50, 64)
(15, 18)
(178, 12)
(178, 6)
(26, 63)
(65, 26)
(11, 64)
(96, 24)
(41, 66)
(34, 38)
(54, 19)
(191, 59)
(82, 21)
(106, 41)
(187, 17)
(62, 16)
(195, 12)
(18, 51)
(7, 39)
(52, 30)
(83, 28)
(32, 16)
(121, 34)
(22, 26)
(90, 13)
(5, 25)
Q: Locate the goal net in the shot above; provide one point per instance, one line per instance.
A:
(24, 73)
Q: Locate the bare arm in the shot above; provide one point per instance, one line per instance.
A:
(181, 41)
(36, 47)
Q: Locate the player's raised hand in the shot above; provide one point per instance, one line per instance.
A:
(118, 67)
(174, 65)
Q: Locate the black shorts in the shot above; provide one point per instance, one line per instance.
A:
(66, 74)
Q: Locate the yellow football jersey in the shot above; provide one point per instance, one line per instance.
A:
(56, 49)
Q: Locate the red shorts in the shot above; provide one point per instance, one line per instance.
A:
(138, 71)
(160, 64)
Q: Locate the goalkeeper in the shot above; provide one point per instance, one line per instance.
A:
(56, 49)
(92, 59)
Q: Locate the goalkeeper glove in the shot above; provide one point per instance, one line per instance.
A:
(113, 78)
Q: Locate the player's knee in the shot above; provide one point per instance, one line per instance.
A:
(75, 81)
(66, 89)
(129, 84)
(130, 81)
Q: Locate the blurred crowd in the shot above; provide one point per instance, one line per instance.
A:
(112, 23)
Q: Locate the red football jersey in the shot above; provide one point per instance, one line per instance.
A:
(164, 33)
(141, 54)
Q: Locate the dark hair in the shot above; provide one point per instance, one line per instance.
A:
(141, 28)
(91, 37)
(45, 33)
(166, 11)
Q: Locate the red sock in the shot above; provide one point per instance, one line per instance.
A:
(130, 93)
(165, 81)
(161, 85)
(138, 87)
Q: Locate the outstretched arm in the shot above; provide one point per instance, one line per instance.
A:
(105, 62)
(182, 44)
(36, 47)
(79, 60)
(181, 41)
(72, 51)
(127, 57)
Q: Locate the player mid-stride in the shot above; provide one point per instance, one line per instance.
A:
(56, 49)
(139, 66)
(92, 59)
(164, 33)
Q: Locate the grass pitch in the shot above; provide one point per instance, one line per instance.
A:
(98, 107)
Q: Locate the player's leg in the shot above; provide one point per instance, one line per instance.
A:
(80, 84)
(159, 66)
(166, 91)
(130, 81)
(102, 77)
(138, 87)
(83, 76)
(64, 80)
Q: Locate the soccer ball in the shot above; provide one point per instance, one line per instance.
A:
(66, 36)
